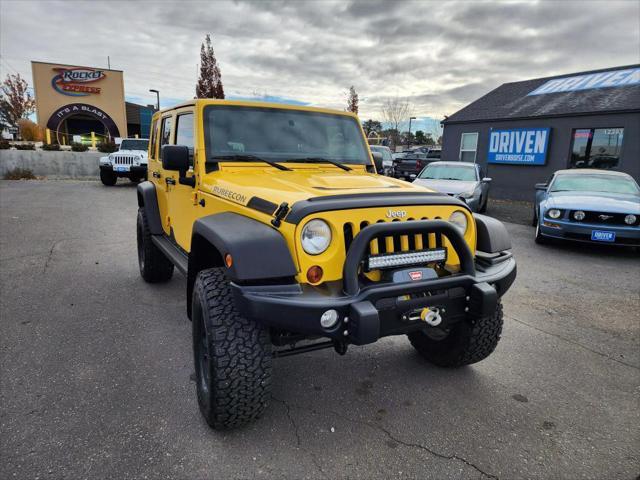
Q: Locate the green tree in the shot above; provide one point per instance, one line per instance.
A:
(371, 126)
(210, 82)
(420, 138)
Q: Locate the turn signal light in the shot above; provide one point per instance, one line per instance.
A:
(314, 274)
(228, 260)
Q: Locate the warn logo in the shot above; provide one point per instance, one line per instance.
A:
(417, 275)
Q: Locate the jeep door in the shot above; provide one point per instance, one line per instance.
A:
(160, 131)
(181, 198)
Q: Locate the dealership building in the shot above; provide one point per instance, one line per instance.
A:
(522, 132)
(75, 101)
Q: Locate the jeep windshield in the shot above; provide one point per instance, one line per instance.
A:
(282, 135)
(134, 144)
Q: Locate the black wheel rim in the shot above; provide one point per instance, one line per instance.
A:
(140, 247)
(203, 357)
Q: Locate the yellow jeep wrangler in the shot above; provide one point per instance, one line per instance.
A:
(290, 242)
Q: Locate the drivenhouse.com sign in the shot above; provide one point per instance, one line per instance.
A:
(519, 146)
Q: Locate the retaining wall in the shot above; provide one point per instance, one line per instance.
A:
(52, 164)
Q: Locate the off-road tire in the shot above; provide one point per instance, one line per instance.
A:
(155, 267)
(232, 355)
(108, 178)
(468, 341)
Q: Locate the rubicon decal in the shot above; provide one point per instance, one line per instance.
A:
(71, 81)
(229, 194)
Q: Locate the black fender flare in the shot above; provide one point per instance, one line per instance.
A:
(148, 200)
(492, 234)
(259, 252)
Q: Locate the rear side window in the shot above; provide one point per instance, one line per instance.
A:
(165, 135)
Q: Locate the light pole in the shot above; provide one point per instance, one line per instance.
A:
(157, 92)
(409, 136)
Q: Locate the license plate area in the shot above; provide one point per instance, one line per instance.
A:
(121, 168)
(603, 236)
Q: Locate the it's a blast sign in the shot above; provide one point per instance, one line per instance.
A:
(519, 146)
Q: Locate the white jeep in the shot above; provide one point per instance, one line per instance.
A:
(129, 161)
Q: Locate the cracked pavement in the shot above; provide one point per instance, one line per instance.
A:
(95, 369)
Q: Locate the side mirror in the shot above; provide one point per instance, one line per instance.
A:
(377, 161)
(176, 158)
(541, 186)
(486, 179)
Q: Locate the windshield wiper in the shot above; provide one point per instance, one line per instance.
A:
(320, 160)
(249, 158)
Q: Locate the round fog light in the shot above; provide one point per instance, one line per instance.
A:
(579, 215)
(630, 219)
(329, 319)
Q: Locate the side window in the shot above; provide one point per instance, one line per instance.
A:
(184, 130)
(154, 137)
(468, 146)
(165, 135)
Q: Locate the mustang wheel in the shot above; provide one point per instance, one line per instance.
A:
(463, 344)
(232, 355)
(154, 266)
(540, 239)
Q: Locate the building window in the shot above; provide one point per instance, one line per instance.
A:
(596, 147)
(468, 147)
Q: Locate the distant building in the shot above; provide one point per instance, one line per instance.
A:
(524, 131)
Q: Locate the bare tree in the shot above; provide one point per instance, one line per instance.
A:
(210, 82)
(352, 100)
(395, 111)
(15, 101)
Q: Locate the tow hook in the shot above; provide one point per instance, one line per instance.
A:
(431, 316)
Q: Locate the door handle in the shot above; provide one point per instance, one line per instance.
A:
(170, 181)
(156, 175)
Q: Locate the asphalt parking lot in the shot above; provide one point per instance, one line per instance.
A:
(96, 369)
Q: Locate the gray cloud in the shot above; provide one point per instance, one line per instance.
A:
(440, 55)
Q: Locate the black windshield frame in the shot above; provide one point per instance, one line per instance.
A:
(345, 123)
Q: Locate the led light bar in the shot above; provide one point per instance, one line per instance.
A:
(401, 259)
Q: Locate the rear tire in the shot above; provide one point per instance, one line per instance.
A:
(154, 266)
(467, 342)
(232, 355)
(108, 178)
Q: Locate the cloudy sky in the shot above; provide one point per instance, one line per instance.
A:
(441, 55)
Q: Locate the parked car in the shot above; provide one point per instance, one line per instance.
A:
(464, 180)
(129, 161)
(409, 166)
(387, 159)
(432, 152)
(588, 205)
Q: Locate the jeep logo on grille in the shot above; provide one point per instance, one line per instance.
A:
(396, 214)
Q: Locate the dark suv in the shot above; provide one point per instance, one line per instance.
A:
(409, 166)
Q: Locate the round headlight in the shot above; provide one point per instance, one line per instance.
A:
(578, 215)
(553, 213)
(630, 219)
(316, 237)
(459, 219)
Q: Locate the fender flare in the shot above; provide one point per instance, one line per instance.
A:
(148, 200)
(259, 252)
(492, 234)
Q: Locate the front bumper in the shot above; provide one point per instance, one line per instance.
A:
(134, 170)
(368, 312)
(581, 232)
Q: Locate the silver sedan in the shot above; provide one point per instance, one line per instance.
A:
(463, 180)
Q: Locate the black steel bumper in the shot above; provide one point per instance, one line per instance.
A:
(134, 170)
(368, 312)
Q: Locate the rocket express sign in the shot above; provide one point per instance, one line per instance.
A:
(72, 81)
(519, 146)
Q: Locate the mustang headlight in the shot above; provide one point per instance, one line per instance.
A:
(630, 219)
(316, 237)
(459, 219)
(554, 213)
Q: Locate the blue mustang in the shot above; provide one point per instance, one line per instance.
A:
(586, 205)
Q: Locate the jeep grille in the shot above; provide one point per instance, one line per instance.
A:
(125, 159)
(394, 243)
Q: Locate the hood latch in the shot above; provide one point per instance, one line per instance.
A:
(279, 214)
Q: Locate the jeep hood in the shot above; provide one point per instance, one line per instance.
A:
(240, 184)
